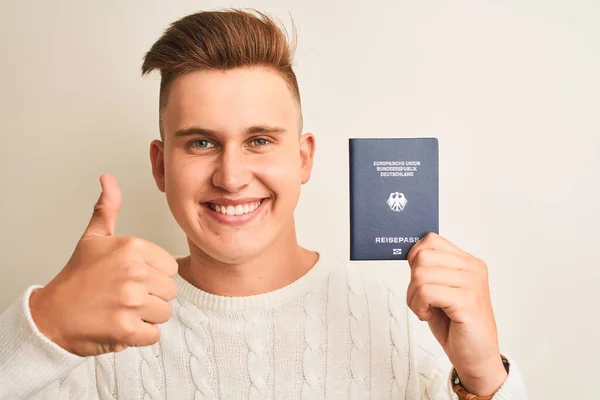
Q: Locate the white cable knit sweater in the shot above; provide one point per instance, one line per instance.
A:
(335, 333)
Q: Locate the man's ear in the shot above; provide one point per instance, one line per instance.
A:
(157, 158)
(307, 154)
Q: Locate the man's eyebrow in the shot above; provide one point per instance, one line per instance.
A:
(253, 130)
(256, 129)
(194, 130)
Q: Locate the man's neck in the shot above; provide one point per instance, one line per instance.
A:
(281, 265)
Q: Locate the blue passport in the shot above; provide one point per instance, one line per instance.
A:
(394, 195)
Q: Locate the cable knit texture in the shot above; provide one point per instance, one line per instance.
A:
(335, 333)
(400, 368)
(257, 340)
(195, 323)
(151, 372)
(359, 337)
(313, 361)
(105, 376)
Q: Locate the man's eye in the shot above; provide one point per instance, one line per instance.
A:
(259, 142)
(202, 144)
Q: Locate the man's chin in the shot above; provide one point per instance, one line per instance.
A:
(237, 256)
(229, 253)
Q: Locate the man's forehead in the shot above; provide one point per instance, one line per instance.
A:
(230, 100)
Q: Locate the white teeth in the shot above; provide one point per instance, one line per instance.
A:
(239, 209)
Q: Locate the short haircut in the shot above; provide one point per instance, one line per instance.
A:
(221, 40)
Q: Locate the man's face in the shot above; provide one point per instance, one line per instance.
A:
(232, 161)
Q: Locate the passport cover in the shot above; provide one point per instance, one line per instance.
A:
(394, 195)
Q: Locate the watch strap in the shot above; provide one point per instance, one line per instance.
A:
(462, 393)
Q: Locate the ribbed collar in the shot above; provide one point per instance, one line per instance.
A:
(204, 300)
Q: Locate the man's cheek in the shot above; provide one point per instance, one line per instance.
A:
(285, 169)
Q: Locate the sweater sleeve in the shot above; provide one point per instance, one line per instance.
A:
(435, 370)
(29, 361)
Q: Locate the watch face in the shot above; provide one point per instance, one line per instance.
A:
(455, 379)
(462, 393)
(506, 364)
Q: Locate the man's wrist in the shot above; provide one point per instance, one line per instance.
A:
(487, 382)
(38, 311)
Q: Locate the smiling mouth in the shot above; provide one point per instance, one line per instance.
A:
(239, 209)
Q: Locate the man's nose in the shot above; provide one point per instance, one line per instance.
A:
(232, 172)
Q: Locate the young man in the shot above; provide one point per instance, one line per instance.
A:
(249, 314)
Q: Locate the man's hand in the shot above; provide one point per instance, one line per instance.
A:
(449, 289)
(112, 292)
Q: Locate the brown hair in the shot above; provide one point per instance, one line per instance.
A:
(221, 40)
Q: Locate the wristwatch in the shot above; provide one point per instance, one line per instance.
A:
(462, 393)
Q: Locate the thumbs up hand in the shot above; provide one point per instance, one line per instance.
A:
(113, 291)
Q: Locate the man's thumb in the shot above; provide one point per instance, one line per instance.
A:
(106, 209)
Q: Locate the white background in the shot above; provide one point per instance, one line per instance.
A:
(511, 89)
